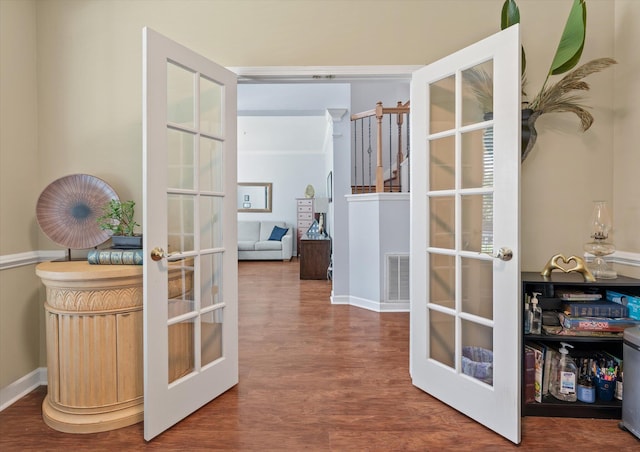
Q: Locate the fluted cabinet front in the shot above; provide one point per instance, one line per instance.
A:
(94, 346)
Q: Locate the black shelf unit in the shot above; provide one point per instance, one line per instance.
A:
(550, 406)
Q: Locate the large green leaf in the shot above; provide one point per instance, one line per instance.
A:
(510, 16)
(572, 40)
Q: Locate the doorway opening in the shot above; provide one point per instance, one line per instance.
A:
(268, 97)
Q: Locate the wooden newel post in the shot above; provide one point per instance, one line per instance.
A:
(379, 168)
(400, 120)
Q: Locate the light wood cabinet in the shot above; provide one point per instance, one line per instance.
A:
(94, 346)
(305, 215)
(95, 343)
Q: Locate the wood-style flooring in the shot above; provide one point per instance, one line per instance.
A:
(316, 377)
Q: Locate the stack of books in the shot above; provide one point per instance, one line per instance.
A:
(630, 302)
(585, 313)
(535, 355)
(113, 256)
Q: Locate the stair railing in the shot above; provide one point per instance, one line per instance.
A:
(392, 181)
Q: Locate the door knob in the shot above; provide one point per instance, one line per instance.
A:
(158, 253)
(504, 254)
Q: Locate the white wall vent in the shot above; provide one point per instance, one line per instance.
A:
(397, 277)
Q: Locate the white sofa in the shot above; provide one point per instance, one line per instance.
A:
(254, 243)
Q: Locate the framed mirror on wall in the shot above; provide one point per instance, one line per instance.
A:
(254, 196)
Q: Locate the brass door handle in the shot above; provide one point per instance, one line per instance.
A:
(504, 254)
(158, 253)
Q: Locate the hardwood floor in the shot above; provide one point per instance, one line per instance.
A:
(315, 377)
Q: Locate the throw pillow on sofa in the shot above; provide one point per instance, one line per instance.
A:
(277, 233)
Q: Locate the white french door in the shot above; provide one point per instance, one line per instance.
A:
(465, 316)
(189, 227)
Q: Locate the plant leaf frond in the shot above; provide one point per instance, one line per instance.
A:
(481, 85)
(570, 82)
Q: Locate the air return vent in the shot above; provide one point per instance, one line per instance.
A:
(397, 278)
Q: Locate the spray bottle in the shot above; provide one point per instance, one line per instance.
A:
(564, 376)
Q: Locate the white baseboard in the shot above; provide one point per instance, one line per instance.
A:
(372, 305)
(398, 306)
(21, 387)
(339, 299)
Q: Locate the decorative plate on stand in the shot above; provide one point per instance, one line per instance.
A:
(68, 208)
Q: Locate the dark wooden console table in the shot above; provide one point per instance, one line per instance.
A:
(315, 256)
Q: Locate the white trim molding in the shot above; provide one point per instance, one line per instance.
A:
(368, 197)
(371, 305)
(324, 74)
(626, 258)
(30, 257)
(375, 306)
(34, 257)
(21, 387)
(619, 257)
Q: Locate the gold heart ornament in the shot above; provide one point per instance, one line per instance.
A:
(579, 266)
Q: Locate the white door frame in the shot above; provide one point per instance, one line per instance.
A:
(322, 74)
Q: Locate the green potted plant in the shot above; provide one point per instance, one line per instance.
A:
(117, 217)
(562, 96)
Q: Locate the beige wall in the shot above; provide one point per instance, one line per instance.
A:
(18, 127)
(626, 119)
(21, 324)
(88, 93)
(20, 306)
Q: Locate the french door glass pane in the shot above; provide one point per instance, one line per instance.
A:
(210, 279)
(477, 351)
(442, 94)
(180, 288)
(211, 336)
(442, 154)
(180, 91)
(181, 349)
(442, 280)
(477, 223)
(442, 222)
(180, 222)
(180, 151)
(442, 338)
(210, 222)
(477, 287)
(210, 107)
(211, 165)
(477, 160)
(477, 92)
